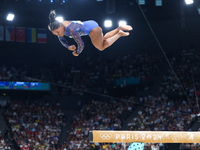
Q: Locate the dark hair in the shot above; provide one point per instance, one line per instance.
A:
(54, 24)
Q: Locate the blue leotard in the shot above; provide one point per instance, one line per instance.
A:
(75, 30)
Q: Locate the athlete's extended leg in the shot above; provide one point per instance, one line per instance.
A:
(100, 42)
(115, 31)
(114, 38)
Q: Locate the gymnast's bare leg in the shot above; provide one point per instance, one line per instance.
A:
(102, 42)
(115, 31)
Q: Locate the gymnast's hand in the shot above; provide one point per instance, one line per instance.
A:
(72, 47)
(74, 53)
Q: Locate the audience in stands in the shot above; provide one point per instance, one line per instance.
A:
(12, 74)
(98, 115)
(164, 114)
(3, 145)
(35, 125)
(186, 65)
(17, 74)
(100, 74)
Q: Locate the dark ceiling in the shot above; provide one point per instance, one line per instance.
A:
(36, 13)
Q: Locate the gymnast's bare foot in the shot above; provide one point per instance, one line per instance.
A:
(122, 33)
(125, 27)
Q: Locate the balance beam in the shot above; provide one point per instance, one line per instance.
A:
(144, 136)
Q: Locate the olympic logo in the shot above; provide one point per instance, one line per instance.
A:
(105, 136)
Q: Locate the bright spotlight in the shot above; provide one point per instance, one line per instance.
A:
(108, 23)
(51, 1)
(122, 23)
(10, 17)
(189, 2)
(60, 19)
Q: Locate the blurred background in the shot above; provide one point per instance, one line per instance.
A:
(51, 99)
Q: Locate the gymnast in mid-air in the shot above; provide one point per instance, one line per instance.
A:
(76, 29)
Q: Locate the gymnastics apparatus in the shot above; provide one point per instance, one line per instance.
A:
(144, 136)
(141, 137)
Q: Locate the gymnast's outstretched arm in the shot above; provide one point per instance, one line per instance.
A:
(63, 41)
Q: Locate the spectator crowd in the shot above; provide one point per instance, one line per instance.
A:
(164, 114)
(98, 115)
(186, 65)
(12, 74)
(35, 125)
(100, 74)
(3, 145)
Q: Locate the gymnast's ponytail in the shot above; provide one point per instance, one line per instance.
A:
(54, 24)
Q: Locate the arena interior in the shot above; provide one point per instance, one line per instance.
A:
(147, 81)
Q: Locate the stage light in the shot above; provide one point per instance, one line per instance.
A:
(158, 2)
(60, 19)
(63, 1)
(122, 22)
(108, 23)
(10, 17)
(189, 2)
(51, 1)
(141, 2)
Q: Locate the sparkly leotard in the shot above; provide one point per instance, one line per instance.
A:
(75, 30)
